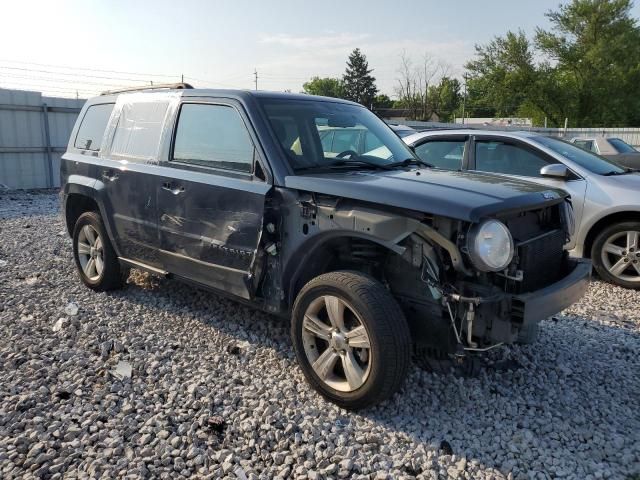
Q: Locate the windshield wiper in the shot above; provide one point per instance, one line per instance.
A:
(615, 172)
(410, 161)
(344, 163)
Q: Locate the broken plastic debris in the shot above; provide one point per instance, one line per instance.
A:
(123, 370)
(3, 263)
(31, 280)
(216, 423)
(60, 324)
(71, 309)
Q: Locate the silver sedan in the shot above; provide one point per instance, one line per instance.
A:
(605, 195)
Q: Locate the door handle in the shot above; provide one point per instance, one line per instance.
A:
(109, 175)
(170, 187)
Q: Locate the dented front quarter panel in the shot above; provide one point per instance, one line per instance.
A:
(309, 222)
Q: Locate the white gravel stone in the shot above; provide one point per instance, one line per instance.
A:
(569, 411)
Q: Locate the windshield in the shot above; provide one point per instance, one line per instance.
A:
(405, 133)
(592, 162)
(316, 134)
(622, 146)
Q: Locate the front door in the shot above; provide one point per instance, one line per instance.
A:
(210, 202)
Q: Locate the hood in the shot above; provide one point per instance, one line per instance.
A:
(461, 195)
(629, 182)
(631, 160)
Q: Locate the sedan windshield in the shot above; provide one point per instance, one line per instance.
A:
(622, 146)
(592, 162)
(320, 134)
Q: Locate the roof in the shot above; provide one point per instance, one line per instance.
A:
(469, 131)
(239, 94)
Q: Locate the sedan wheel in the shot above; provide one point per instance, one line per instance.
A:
(616, 254)
(621, 256)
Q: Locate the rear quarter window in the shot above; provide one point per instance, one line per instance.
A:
(139, 129)
(93, 125)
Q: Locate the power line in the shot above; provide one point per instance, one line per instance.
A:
(61, 80)
(89, 69)
(71, 74)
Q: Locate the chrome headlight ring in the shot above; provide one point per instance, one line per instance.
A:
(490, 246)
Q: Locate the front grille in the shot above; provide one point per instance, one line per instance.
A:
(541, 260)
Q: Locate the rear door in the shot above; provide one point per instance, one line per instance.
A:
(211, 200)
(126, 180)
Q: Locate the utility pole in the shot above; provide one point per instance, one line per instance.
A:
(464, 97)
(182, 78)
(255, 73)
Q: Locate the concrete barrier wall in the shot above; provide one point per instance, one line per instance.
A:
(34, 131)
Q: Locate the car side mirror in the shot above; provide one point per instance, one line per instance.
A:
(555, 170)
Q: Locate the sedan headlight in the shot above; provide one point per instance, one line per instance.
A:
(490, 246)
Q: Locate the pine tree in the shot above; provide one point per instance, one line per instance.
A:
(358, 84)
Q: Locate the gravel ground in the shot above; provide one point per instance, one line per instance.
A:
(568, 408)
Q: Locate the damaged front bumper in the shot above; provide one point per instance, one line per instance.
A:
(492, 317)
(540, 304)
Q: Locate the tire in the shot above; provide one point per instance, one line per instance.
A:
(372, 317)
(611, 247)
(529, 334)
(111, 276)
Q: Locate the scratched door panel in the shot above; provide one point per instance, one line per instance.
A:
(210, 227)
(129, 197)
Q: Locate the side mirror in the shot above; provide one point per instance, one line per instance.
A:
(555, 170)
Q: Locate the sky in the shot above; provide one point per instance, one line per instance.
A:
(61, 47)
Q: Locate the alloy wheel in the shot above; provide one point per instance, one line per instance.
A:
(336, 343)
(90, 252)
(621, 255)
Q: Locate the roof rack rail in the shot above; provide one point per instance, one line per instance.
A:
(179, 86)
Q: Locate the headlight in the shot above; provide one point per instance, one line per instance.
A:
(490, 246)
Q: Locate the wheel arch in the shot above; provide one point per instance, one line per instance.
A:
(77, 201)
(604, 222)
(318, 255)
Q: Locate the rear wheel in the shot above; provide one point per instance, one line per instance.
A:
(616, 254)
(351, 339)
(95, 258)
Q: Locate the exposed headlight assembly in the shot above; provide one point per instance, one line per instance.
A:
(490, 246)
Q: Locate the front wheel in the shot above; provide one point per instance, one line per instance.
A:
(616, 254)
(351, 339)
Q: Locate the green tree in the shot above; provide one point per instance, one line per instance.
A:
(382, 101)
(585, 68)
(359, 84)
(595, 45)
(445, 98)
(328, 87)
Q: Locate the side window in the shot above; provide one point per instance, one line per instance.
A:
(326, 137)
(371, 142)
(93, 125)
(139, 128)
(585, 144)
(344, 140)
(445, 154)
(213, 136)
(501, 157)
